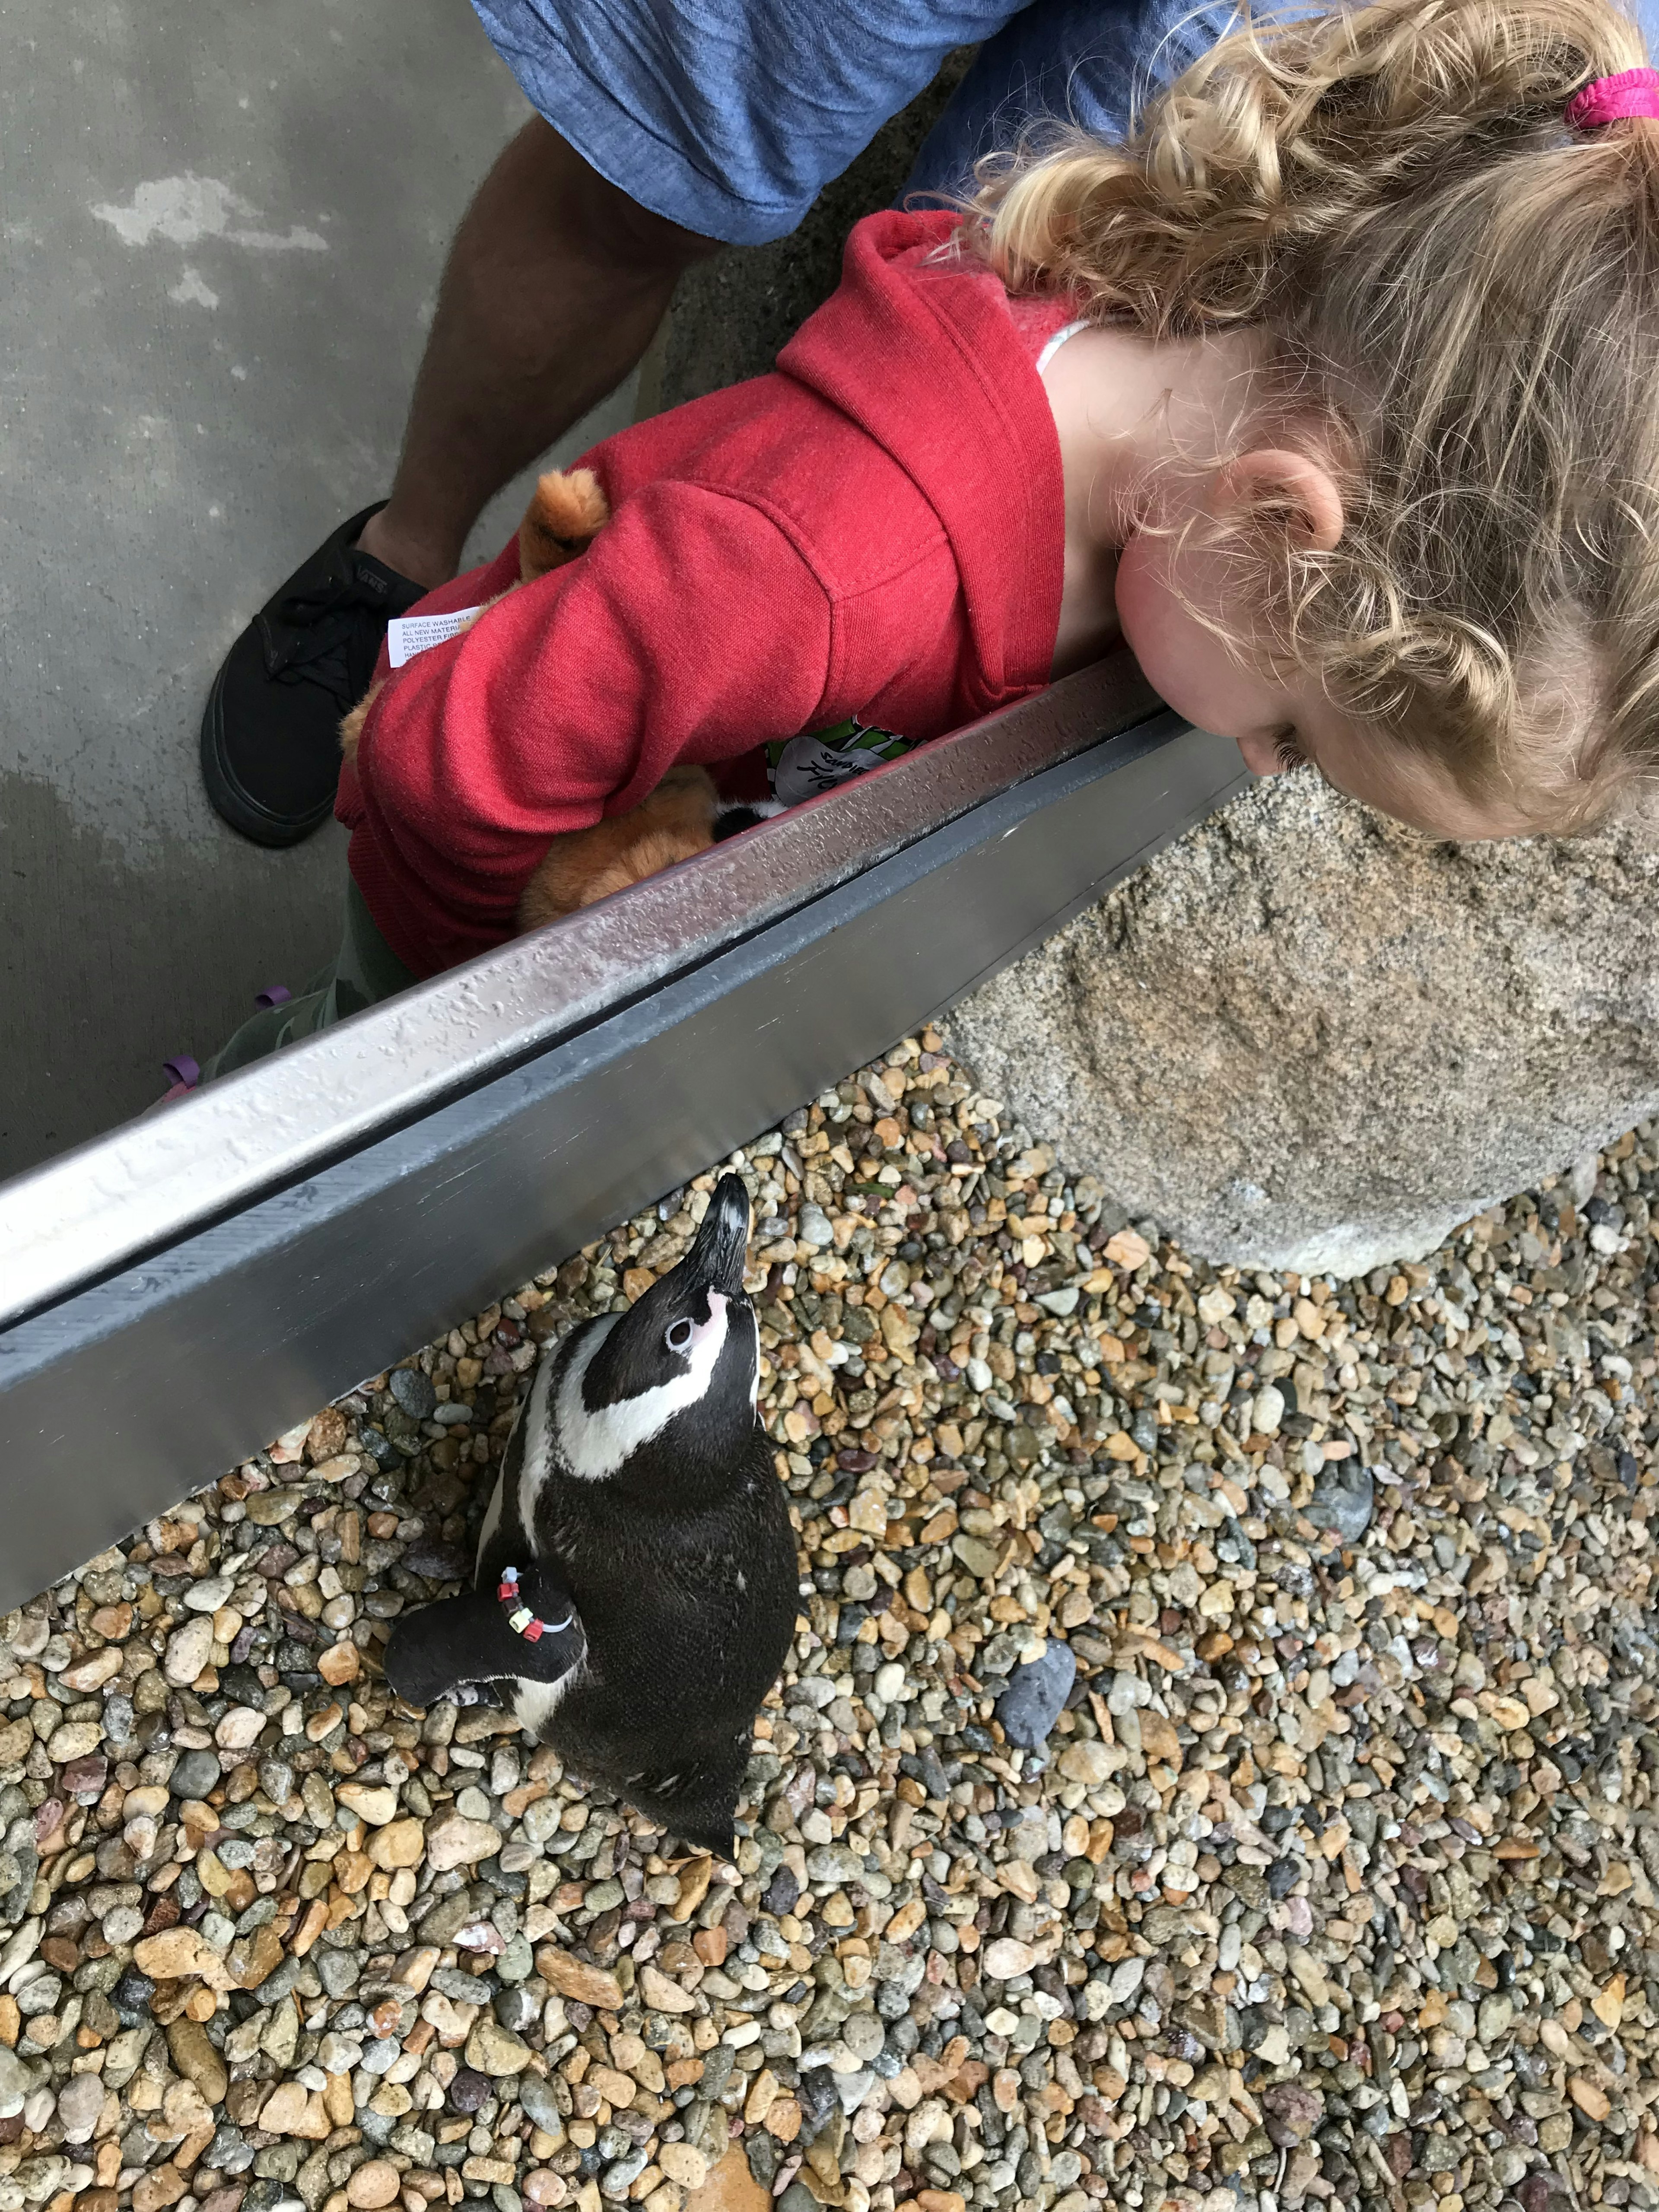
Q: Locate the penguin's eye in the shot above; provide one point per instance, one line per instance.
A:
(678, 1338)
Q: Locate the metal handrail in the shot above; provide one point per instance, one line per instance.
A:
(137, 1190)
(172, 1330)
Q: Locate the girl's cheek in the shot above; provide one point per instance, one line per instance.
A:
(1183, 663)
(1189, 667)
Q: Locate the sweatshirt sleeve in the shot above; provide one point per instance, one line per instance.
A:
(692, 629)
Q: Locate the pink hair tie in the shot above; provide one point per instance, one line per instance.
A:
(1612, 98)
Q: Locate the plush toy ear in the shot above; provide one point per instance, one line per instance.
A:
(470, 1639)
(567, 511)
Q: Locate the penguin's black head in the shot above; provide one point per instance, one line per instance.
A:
(670, 1386)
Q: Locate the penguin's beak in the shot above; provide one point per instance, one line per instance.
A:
(717, 1256)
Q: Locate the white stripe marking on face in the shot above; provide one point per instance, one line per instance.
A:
(595, 1444)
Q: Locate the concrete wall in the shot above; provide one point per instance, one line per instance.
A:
(220, 231)
(223, 232)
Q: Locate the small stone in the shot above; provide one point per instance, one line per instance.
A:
(74, 1740)
(188, 1648)
(269, 1509)
(1295, 2110)
(374, 2185)
(491, 2050)
(452, 1840)
(468, 2089)
(340, 1663)
(398, 1844)
(437, 1561)
(982, 1559)
(1087, 1762)
(371, 1802)
(1005, 1958)
(1343, 1499)
(1591, 2100)
(208, 1595)
(536, 2097)
(16, 2081)
(730, 2187)
(1495, 2019)
(194, 2055)
(413, 1391)
(181, 1954)
(80, 2104)
(93, 1672)
(1267, 1410)
(680, 2163)
(783, 1891)
(197, 1772)
(292, 2110)
(253, 1957)
(239, 1730)
(588, 1985)
(1037, 1694)
(663, 1994)
(162, 2185)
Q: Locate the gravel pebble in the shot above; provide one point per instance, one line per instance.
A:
(1214, 1771)
(1036, 1691)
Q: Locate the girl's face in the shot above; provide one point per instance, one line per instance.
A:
(1164, 587)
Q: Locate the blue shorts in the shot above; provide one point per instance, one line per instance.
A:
(729, 117)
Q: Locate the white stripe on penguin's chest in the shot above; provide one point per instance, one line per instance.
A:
(537, 1444)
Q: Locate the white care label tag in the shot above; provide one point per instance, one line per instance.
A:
(413, 633)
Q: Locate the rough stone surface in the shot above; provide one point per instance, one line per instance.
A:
(1304, 1037)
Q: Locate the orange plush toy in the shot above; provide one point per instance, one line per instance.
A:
(566, 513)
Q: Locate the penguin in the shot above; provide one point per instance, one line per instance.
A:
(639, 1528)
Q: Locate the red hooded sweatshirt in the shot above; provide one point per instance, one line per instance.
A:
(874, 529)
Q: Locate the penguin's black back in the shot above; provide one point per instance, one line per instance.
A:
(689, 1611)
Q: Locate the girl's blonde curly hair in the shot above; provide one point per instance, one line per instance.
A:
(1460, 298)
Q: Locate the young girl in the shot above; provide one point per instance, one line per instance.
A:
(1333, 393)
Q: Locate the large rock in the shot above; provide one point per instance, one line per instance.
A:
(1305, 1038)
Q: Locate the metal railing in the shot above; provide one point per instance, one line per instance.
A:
(179, 1292)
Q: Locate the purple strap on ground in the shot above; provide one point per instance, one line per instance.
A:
(181, 1068)
(278, 995)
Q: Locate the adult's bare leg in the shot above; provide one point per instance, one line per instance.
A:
(555, 282)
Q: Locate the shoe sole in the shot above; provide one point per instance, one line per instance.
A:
(232, 803)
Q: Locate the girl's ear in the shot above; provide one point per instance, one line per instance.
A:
(1294, 488)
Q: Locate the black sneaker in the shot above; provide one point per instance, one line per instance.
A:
(270, 737)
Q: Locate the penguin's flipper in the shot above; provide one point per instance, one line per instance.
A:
(471, 1639)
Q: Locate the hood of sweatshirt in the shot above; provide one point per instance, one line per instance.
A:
(922, 347)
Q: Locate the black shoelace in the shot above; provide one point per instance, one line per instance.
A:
(323, 639)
